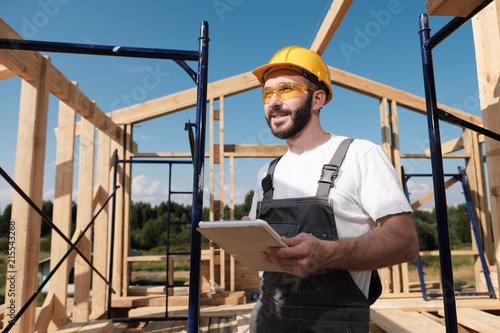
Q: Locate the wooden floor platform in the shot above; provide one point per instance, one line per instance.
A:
(396, 315)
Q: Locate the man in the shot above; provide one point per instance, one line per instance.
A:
(339, 229)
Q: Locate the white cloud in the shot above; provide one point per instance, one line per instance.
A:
(5, 198)
(418, 190)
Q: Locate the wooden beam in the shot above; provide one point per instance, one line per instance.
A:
(63, 198)
(378, 90)
(420, 202)
(27, 65)
(247, 81)
(486, 28)
(460, 8)
(46, 313)
(251, 150)
(118, 232)
(127, 198)
(450, 146)
(101, 225)
(183, 100)
(396, 321)
(477, 320)
(330, 24)
(30, 161)
(83, 217)
(6, 73)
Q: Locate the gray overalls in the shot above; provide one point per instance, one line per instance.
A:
(328, 301)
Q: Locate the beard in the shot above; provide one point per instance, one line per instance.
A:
(300, 119)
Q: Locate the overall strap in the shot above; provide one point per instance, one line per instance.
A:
(331, 170)
(267, 181)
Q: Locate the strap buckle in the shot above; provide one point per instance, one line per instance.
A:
(267, 183)
(329, 173)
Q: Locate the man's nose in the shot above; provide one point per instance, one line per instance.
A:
(275, 100)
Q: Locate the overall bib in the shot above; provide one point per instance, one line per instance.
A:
(329, 300)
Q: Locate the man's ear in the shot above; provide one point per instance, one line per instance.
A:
(318, 100)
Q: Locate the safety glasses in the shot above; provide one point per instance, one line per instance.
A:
(284, 91)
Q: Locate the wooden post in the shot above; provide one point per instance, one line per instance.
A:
(221, 189)
(118, 232)
(101, 227)
(30, 161)
(231, 191)
(63, 199)
(486, 27)
(126, 210)
(384, 125)
(84, 215)
(211, 166)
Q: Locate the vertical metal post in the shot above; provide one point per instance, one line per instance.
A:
(167, 281)
(198, 182)
(438, 180)
(475, 229)
(112, 236)
(405, 178)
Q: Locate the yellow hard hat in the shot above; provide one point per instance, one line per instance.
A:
(302, 60)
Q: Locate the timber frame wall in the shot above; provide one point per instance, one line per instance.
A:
(40, 77)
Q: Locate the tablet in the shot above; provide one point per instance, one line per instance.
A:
(245, 240)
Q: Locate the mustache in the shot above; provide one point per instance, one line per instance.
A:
(278, 110)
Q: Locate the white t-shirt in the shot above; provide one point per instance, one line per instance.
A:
(366, 189)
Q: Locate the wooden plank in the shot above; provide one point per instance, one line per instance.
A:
(27, 65)
(330, 24)
(118, 232)
(378, 90)
(127, 197)
(477, 320)
(183, 100)
(101, 224)
(63, 198)
(250, 150)
(450, 146)
(6, 73)
(430, 195)
(83, 217)
(96, 326)
(384, 126)
(460, 8)
(486, 28)
(30, 161)
(396, 159)
(222, 277)
(45, 314)
(212, 162)
(398, 321)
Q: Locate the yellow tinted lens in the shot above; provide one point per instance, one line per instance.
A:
(286, 91)
(267, 94)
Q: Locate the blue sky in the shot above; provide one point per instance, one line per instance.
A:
(377, 40)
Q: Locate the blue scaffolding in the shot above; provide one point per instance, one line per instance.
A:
(462, 177)
(434, 114)
(200, 78)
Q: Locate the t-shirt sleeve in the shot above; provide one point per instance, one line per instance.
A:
(380, 189)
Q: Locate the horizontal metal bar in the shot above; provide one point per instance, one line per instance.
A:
(181, 192)
(106, 50)
(446, 116)
(134, 319)
(155, 161)
(179, 253)
(485, 293)
(451, 27)
(408, 175)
